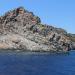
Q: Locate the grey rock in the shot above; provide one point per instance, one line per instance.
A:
(21, 29)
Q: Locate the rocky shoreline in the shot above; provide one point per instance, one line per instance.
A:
(22, 30)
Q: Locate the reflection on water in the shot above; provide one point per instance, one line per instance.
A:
(37, 63)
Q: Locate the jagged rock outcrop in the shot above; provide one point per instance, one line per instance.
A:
(21, 29)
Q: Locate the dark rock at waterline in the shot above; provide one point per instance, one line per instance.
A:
(21, 29)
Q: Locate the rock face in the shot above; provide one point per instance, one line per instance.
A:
(21, 29)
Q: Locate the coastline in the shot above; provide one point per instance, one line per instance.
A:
(18, 51)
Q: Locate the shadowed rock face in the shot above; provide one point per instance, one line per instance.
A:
(21, 29)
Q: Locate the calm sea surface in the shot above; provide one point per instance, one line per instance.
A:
(12, 63)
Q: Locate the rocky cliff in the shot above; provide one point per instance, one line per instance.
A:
(21, 29)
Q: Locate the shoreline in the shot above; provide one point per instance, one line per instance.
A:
(17, 51)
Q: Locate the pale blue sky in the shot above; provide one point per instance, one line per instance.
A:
(59, 13)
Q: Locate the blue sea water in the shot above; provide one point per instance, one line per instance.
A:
(37, 63)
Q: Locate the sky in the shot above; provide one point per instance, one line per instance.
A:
(58, 13)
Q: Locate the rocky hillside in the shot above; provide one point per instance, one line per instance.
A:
(21, 29)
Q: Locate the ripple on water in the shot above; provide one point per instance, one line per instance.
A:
(21, 63)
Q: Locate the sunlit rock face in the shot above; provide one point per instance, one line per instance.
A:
(21, 29)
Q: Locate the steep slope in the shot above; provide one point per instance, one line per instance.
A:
(21, 29)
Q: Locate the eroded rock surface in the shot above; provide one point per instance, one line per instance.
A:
(21, 29)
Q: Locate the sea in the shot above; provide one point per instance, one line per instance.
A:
(35, 63)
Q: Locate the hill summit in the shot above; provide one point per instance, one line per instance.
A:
(22, 30)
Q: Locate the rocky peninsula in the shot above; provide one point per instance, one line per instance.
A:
(22, 30)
